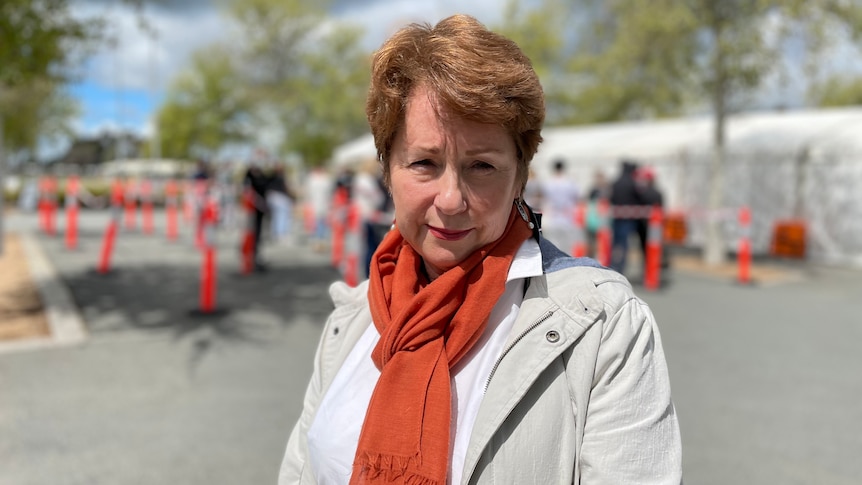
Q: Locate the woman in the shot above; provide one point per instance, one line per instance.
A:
(477, 352)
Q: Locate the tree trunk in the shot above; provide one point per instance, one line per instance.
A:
(715, 250)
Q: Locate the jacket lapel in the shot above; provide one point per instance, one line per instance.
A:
(543, 330)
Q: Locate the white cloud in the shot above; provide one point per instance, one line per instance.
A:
(140, 62)
(382, 18)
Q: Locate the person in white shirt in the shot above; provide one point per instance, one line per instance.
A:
(560, 197)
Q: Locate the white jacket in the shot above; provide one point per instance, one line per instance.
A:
(580, 395)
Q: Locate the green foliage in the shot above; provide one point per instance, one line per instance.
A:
(306, 71)
(646, 59)
(291, 71)
(838, 91)
(38, 109)
(40, 43)
(206, 107)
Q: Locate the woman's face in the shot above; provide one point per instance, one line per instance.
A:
(453, 182)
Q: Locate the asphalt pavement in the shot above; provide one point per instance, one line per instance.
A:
(765, 378)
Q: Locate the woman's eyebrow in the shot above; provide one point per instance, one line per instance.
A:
(483, 150)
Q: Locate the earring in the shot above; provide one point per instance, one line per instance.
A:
(520, 205)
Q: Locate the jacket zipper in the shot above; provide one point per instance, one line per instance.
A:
(523, 334)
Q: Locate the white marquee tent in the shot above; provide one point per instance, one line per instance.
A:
(804, 164)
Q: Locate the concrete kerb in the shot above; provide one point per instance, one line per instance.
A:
(64, 320)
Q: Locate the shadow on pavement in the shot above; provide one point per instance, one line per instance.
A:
(159, 297)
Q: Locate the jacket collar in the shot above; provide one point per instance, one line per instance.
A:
(548, 323)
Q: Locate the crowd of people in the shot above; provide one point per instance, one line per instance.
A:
(570, 212)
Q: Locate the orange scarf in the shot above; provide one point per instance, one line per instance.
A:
(425, 329)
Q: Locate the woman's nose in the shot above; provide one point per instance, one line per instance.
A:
(450, 195)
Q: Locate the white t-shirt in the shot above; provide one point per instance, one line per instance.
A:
(334, 433)
(559, 199)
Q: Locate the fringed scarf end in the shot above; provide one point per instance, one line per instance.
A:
(377, 468)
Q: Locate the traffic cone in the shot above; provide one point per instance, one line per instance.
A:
(579, 247)
(603, 236)
(51, 205)
(209, 272)
(310, 222)
(72, 187)
(743, 254)
(131, 205)
(147, 205)
(352, 246)
(110, 236)
(248, 237)
(171, 210)
(652, 266)
(43, 204)
(338, 215)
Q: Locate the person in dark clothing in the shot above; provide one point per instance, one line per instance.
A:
(650, 196)
(624, 193)
(255, 184)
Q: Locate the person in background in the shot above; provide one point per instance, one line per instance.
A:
(318, 194)
(255, 184)
(533, 191)
(599, 191)
(652, 197)
(369, 197)
(279, 198)
(477, 352)
(559, 202)
(625, 201)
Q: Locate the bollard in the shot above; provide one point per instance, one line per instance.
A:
(310, 222)
(108, 241)
(338, 215)
(209, 273)
(579, 246)
(352, 243)
(147, 205)
(171, 209)
(200, 194)
(43, 204)
(131, 204)
(743, 254)
(247, 241)
(652, 266)
(72, 187)
(603, 236)
(188, 201)
(104, 265)
(51, 205)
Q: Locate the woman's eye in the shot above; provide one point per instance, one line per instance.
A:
(424, 164)
(483, 166)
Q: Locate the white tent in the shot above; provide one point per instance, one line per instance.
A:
(354, 153)
(803, 164)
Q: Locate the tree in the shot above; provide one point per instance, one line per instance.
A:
(648, 59)
(540, 32)
(38, 43)
(305, 71)
(205, 108)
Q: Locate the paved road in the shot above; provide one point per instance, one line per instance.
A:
(765, 379)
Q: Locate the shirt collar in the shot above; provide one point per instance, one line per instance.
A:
(527, 262)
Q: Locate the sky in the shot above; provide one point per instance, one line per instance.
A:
(122, 86)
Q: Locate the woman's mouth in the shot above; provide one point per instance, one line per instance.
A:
(447, 234)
